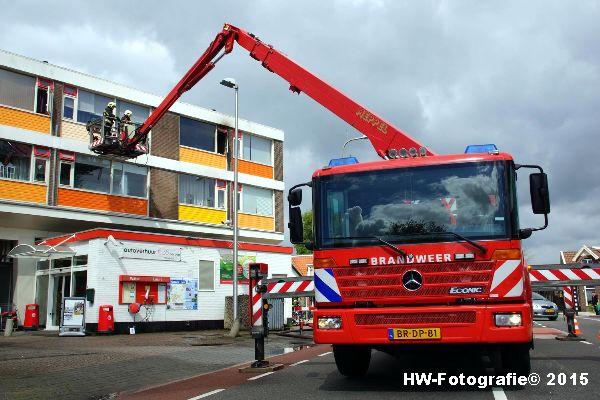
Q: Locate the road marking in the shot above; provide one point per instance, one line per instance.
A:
(543, 326)
(298, 363)
(206, 394)
(591, 319)
(499, 393)
(583, 341)
(261, 375)
(324, 354)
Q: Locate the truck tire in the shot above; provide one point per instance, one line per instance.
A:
(516, 359)
(352, 361)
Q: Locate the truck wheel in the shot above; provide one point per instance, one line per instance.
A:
(352, 361)
(516, 359)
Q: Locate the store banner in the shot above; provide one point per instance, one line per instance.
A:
(182, 294)
(226, 268)
(149, 252)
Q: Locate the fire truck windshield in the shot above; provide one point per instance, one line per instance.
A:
(414, 205)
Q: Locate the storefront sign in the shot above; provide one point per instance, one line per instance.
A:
(226, 268)
(183, 294)
(150, 253)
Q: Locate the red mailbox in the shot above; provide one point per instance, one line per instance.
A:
(106, 319)
(32, 317)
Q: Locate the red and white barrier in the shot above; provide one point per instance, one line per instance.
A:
(576, 276)
(257, 308)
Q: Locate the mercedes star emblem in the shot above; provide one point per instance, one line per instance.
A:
(412, 280)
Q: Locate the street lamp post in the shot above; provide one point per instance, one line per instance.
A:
(235, 326)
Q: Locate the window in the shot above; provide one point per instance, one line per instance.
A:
(256, 149)
(90, 106)
(70, 95)
(66, 173)
(257, 201)
(197, 134)
(92, 173)
(196, 191)
(17, 90)
(140, 113)
(206, 275)
(39, 170)
(128, 179)
(15, 160)
(221, 190)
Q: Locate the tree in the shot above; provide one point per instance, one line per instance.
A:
(307, 225)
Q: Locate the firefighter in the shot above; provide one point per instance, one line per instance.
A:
(109, 118)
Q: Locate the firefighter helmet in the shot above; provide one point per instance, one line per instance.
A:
(111, 104)
(128, 113)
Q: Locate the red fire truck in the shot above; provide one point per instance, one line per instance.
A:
(415, 250)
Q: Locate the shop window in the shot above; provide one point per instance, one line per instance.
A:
(90, 105)
(80, 261)
(196, 190)
(257, 201)
(139, 113)
(62, 263)
(92, 173)
(69, 99)
(129, 179)
(206, 276)
(15, 160)
(256, 149)
(17, 90)
(43, 265)
(80, 283)
(200, 135)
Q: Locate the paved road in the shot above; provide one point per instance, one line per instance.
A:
(567, 370)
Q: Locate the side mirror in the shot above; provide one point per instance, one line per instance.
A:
(295, 197)
(540, 197)
(295, 225)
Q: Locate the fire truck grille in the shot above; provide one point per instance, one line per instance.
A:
(364, 283)
(467, 317)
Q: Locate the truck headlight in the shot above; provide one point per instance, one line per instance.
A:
(329, 322)
(512, 319)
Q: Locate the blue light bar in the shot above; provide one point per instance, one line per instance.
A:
(481, 148)
(336, 162)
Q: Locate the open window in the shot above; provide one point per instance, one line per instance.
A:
(43, 95)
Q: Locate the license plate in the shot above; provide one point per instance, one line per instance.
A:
(550, 311)
(414, 333)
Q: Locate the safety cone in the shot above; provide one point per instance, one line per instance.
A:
(577, 330)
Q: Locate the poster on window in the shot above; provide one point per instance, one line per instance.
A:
(182, 294)
(73, 311)
(226, 268)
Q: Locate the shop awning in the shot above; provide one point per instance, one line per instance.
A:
(41, 251)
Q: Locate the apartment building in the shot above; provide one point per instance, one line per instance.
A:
(51, 184)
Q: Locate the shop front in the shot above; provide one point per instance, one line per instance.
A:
(176, 282)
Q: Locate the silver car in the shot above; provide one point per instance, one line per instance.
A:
(543, 307)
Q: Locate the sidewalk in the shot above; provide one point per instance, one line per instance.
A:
(41, 365)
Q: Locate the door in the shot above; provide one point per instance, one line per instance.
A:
(61, 288)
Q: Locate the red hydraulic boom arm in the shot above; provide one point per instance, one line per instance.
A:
(385, 138)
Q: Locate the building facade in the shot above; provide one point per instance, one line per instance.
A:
(51, 184)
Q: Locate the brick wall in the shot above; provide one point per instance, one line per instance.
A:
(57, 108)
(279, 223)
(164, 194)
(165, 137)
(72, 130)
(278, 159)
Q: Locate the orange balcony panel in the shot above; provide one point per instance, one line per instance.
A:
(102, 202)
(256, 222)
(202, 157)
(72, 130)
(23, 191)
(252, 168)
(24, 120)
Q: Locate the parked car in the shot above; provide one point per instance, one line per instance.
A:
(543, 307)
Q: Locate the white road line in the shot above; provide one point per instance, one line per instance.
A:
(324, 354)
(298, 363)
(261, 375)
(583, 341)
(543, 326)
(498, 393)
(591, 319)
(207, 394)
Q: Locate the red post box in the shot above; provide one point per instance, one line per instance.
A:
(106, 319)
(32, 317)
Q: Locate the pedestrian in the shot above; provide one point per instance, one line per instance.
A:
(109, 118)
(595, 304)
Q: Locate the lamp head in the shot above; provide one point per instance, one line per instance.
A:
(229, 82)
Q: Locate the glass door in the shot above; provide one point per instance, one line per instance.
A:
(61, 288)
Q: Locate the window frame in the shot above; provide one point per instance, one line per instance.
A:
(215, 133)
(71, 173)
(241, 147)
(241, 202)
(75, 102)
(216, 190)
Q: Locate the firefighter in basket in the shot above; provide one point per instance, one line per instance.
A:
(109, 118)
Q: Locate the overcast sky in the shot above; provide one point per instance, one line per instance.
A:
(523, 75)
